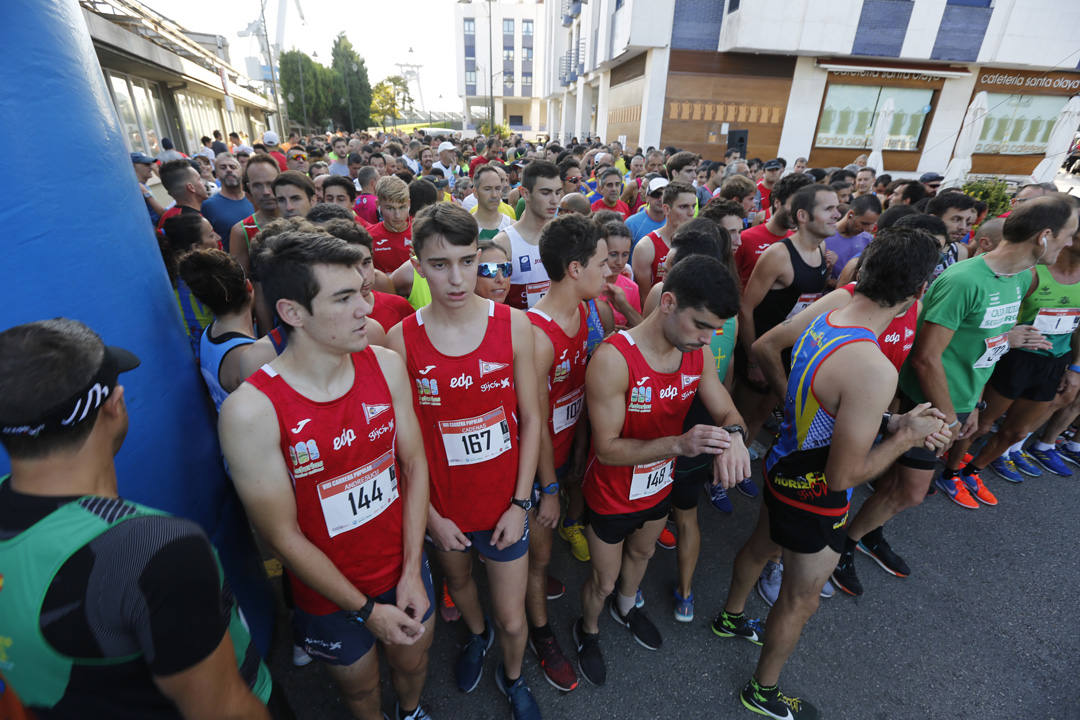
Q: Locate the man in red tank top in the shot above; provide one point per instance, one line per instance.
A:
(649, 253)
(470, 362)
(638, 388)
(259, 176)
(576, 259)
(324, 449)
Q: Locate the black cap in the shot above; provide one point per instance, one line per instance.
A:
(772, 165)
(931, 177)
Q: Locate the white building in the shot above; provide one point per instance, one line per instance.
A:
(806, 77)
(500, 46)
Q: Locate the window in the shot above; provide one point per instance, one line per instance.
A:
(508, 26)
(527, 54)
(470, 26)
(508, 54)
(517, 120)
(138, 104)
(470, 77)
(732, 6)
(1019, 124)
(526, 79)
(970, 3)
(526, 27)
(847, 120)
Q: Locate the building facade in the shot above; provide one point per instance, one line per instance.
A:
(806, 78)
(500, 50)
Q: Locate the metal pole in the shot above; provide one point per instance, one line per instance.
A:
(303, 103)
(273, 74)
(491, 77)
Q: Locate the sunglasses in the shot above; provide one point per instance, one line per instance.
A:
(574, 179)
(298, 157)
(491, 270)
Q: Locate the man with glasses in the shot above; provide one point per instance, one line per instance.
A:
(571, 176)
(931, 181)
(297, 159)
(652, 216)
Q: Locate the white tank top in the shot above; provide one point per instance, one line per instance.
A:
(529, 280)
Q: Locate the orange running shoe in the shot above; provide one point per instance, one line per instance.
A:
(975, 487)
(666, 539)
(955, 489)
(447, 610)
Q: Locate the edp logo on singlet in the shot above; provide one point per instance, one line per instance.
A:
(346, 439)
(669, 393)
(892, 338)
(462, 381)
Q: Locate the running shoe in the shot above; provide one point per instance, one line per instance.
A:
(956, 491)
(639, 625)
(555, 589)
(639, 599)
(1051, 460)
(727, 625)
(827, 590)
(768, 585)
(775, 704)
(418, 714)
(881, 553)
(575, 535)
(719, 498)
(756, 450)
(845, 577)
(447, 609)
(666, 539)
(1006, 469)
(470, 663)
(1072, 456)
(684, 607)
(590, 657)
(522, 703)
(975, 487)
(747, 487)
(1025, 463)
(557, 669)
(300, 658)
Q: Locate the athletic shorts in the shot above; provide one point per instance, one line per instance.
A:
(1030, 376)
(613, 529)
(687, 484)
(481, 541)
(337, 639)
(801, 531)
(919, 458)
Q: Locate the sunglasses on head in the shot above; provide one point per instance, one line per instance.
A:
(491, 270)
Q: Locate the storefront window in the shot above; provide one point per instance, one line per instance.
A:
(146, 116)
(1019, 124)
(125, 108)
(847, 120)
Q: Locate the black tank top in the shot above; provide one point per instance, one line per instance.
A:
(777, 303)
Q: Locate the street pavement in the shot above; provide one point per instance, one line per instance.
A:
(985, 627)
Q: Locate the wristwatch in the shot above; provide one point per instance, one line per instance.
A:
(551, 489)
(361, 616)
(525, 505)
(736, 429)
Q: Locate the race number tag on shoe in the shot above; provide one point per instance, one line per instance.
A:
(805, 300)
(1057, 321)
(475, 440)
(535, 292)
(567, 409)
(996, 347)
(359, 496)
(651, 478)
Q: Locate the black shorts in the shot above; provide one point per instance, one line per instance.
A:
(613, 529)
(919, 458)
(1027, 375)
(801, 531)
(686, 489)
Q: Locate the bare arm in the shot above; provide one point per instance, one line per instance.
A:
(926, 362)
(769, 269)
(641, 263)
(544, 355)
(733, 464)
(212, 689)
(238, 247)
(383, 283)
(402, 279)
(607, 318)
(653, 299)
(848, 273)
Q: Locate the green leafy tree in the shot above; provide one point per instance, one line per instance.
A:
(299, 78)
(400, 87)
(384, 107)
(353, 100)
(992, 191)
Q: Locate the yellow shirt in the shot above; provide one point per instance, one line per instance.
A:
(503, 208)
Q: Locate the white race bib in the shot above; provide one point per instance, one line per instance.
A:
(805, 300)
(359, 496)
(1057, 321)
(475, 440)
(651, 478)
(567, 410)
(996, 347)
(535, 292)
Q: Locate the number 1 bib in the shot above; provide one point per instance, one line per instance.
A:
(651, 478)
(1057, 321)
(475, 440)
(360, 496)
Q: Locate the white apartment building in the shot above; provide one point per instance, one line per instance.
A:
(500, 50)
(806, 77)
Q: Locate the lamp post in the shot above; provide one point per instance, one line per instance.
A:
(491, 77)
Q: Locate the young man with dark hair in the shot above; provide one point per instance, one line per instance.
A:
(541, 187)
(293, 192)
(854, 231)
(94, 584)
(648, 256)
(958, 212)
(757, 239)
(864, 182)
(471, 363)
(229, 206)
(341, 191)
(324, 449)
(772, 170)
(185, 186)
(258, 182)
(840, 386)
(729, 215)
(339, 164)
(639, 386)
(610, 185)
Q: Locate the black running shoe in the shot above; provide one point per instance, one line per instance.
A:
(884, 556)
(844, 576)
(775, 704)
(640, 626)
(590, 658)
(726, 625)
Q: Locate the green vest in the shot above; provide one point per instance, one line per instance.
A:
(1054, 310)
(28, 563)
(722, 346)
(420, 295)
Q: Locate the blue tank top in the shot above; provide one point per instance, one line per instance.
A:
(212, 352)
(795, 465)
(596, 328)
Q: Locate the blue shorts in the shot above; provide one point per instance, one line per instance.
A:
(337, 639)
(481, 540)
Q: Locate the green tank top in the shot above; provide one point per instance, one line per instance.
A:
(420, 295)
(519, 209)
(488, 234)
(1054, 310)
(29, 562)
(722, 345)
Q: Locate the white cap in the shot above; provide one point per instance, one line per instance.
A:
(656, 184)
(446, 145)
(270, 137)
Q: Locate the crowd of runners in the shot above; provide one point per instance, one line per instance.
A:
(427, 351)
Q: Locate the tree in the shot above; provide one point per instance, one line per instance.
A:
(298, 76)
(400, 87)
(353, 106)
(383, 103)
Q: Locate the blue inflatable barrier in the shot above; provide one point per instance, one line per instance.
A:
(78, 243)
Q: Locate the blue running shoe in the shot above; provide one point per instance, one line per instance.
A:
(1006, 469)
(522, 704)
(747, 488)
(768, 585)
(1025, 465)
(684, 607)
(639, 599)
(1072, 456)
(1051, 460)
(719, 498)
(470, 664)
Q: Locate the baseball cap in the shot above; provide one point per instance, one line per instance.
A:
(772, 165)
(270, 137)
(139, 158)
(931, 177)
(446, 145)
(436, 180)
(657, 183)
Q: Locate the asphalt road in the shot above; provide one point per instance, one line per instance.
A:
(985, 627)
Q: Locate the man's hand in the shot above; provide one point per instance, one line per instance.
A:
(756, 377)
(703, 439)
(510, 528)
(1070, 385)
(1028, 338)
(412, 597)
(920, 422)
(616, 294)
(732, 466)
(547, 514)
(830, 259)
(447, 535)
(393, 626)
(970, 425)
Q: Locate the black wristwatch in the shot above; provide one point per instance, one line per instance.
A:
(883, 429)
(736, 429)
(361, 616)
(525, 504)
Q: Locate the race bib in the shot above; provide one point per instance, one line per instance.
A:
(1057, 321)
(567, 409)
(996, 347)
(535, 292)
(805, 300)
(651, 478)
(359, 496)
(475, 440)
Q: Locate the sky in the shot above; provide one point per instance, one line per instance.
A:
(381, 32)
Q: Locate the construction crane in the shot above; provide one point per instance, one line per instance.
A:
(258, 28)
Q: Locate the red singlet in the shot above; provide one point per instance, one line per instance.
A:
(660, 251)
(388, 309)
(896, 341)
(390, 249)
(566, 379)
